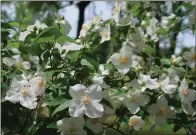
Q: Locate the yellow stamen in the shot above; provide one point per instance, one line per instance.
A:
(123, 60)
(86, 100)
(19, 65)
(172, 60)
(193, 57)
(116, 10)
(133, 98)
(105, 34)
(133, 121)
(186, 92)
(41, 83)
(162, 111)
(71, 130)
(94, 121)
(24, 92)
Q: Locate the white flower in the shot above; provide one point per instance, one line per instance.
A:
(134, 100)
(70, 47)
(39, 84)
(8, 61)
(164, 21)
(65, 24)
(20, 64)
(94, 125)
(152, 29)
(137, 41)
(165, 85)
(72, 126)
(146, 82)
(23, 92)
(105, 33)
(173, 75)
(136, 122)
(84, 30)
(187, 108)
(186, 94)
(99, 81)
(96, 20)
(122, 60)
(31, 28)
(190, 56)
(176, 60)
(86, 100)
(102, 70)
(112, 96)
(126, 20)
(161, 111)
(116, 10)
(23, 35)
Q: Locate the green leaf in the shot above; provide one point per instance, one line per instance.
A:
(56, 101)
(46, 39)
(50, 31)
(150, 50)
(52, 125)
(176, 128)
(74, 56)
(179, 70)
(62, 39)
(165, 61)
(17, 24)
(63, 106)
(84, 62)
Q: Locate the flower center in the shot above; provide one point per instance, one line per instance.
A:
(172, 60)
(133, 98)
(24, 92)
(94, 121)
(123, 60)
(41, 83)
(71, 130)
(19, 65)
(186, 92)
(162, 111)
(105, 34)
(193, 57)
(133, 122)
(116, 10)
(84, 27)
(86, 100)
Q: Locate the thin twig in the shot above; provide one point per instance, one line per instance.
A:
(109, 126)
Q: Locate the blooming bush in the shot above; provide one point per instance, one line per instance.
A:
(113, 69)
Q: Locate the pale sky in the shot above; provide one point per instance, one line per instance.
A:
(104, 9)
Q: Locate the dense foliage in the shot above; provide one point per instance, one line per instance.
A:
(53, 84)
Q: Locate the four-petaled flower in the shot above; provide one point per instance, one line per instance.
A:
(72, 126)
(122, 60)
(136, 122)
(86, 100)
(133, 101)
(190, 56)
(161, 111)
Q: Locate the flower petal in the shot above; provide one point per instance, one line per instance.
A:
(161, 119)
(29, 101)
(94, 110)
(169, 89)
(94, 92)
(77, 91)
(26, 65)
(13, 94)
(76, 109)
(115, 59)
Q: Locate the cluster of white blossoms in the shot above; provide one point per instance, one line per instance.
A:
(138, 91)
(26, 91)
(129, 84)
